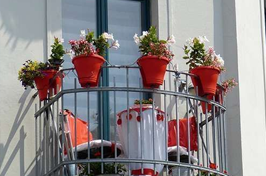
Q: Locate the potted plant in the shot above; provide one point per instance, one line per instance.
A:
(88, 53)
(109, 169)
(56, 60)
(38, 73)
(57, 53)
(145, 103)
(221, 91)
(205, 64)
(155, 57)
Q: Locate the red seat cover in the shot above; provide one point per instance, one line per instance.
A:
(183, 133)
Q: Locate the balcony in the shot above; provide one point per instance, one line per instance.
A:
(98, 131)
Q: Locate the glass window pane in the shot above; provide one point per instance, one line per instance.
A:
(78, 15)
(124, 20)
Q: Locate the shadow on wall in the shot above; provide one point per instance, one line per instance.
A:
(22, 20)
(20, 145)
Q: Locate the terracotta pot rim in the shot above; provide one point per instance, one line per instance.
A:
(205, 67)
(154, 57)
(90, 55)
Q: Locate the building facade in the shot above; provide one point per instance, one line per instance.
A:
(235, 28)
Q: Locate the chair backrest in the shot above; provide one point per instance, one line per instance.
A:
(183, 133)
(82, 134)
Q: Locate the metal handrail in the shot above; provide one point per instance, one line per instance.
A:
(216, 118)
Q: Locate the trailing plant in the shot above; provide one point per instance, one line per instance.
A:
(229, 84)
(149, 101)
(149, 44)
(197, 55)
(31, 70)
(95, 169)
(206, 173)
(57, 52)
(88, 44)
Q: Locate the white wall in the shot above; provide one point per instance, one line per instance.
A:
(246, 111)
(234, 28)
(22, 37)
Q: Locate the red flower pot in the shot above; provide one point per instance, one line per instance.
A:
(203, 105)
(88, 69)
(218, 98)
(152, 69)
(208, 79)
(43, 83)
(196, 82)
(57, 84)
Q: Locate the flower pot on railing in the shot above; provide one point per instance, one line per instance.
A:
(88, 69)
(56, 84)
(218, 98)
(152, 69)
(43, 83)
(197, 84)
(208, 77)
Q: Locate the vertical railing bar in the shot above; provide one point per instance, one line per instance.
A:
(188, 125)
(41, 141)
(220, 140)
(177, 135)
(220, 135)
(53, 137)
(166, 130)
(57, 133)
(88, 119)
(153, 130)
(141, 126)
(63, 128)
(213, 131)
(128, 119)
(225, 137)
(115, 124)
(177, 130)
(225, 142)
(75, 121)
(197, 118)
(102, 125)
(47, 124)
(198, 131)
(36, 142)
(202, 142)
(207, 134)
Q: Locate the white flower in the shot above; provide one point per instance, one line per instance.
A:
(136, 39)
(144, 33)
(115, 44)
(219, 60)
(171, 40)
(203, 39)
(82, 33)
(62, 40)
(108, 36)
(189, 41)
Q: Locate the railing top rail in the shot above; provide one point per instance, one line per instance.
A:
(130, 89)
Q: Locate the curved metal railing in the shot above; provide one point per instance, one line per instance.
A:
(185, 117)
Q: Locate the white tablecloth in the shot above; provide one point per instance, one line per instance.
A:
(137, 140)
